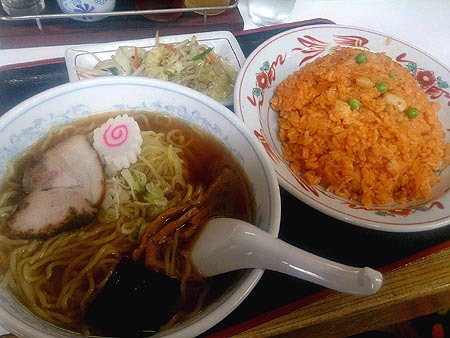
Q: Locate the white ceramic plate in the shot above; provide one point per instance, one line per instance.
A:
(284, 53)
(31, 119)
(224, 43)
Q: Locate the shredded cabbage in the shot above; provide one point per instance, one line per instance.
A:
(188, 63)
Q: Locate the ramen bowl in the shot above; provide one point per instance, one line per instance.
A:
(24, 124)
(276, 58)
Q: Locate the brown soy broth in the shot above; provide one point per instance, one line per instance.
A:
(204, 157)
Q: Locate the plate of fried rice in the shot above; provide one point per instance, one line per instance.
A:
(355, 122)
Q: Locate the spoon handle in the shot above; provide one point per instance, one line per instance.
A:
(274, 254)
(247, 246)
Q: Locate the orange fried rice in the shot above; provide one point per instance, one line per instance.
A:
(375, 154)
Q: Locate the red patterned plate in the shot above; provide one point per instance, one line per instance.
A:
(283, 54)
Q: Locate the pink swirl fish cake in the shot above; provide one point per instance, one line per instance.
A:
(118, 142)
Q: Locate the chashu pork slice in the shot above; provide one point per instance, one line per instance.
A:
(70, 163)
(65, 188)
(44, 213)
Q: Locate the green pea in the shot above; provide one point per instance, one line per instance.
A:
(361, 58)
(382, 87)
(412, 113)
(393, 76)
(354, 103)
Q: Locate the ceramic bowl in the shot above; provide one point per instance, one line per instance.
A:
(87, 6)
(28, 121)
(281, 55)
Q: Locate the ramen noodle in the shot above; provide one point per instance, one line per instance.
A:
(179, 170)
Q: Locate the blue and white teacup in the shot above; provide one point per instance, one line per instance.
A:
(87, 6)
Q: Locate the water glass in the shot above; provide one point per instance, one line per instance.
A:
(23, 7)
(270, 12)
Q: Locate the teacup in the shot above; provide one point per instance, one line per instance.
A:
(87, 6)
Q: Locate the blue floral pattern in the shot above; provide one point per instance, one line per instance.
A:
(86, 6)
(23, 125)
(40, 126)
(194, 117)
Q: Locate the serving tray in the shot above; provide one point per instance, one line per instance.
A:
(59, 31)
(302, 226)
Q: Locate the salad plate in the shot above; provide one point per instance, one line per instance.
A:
(87, 56)
(278, 57)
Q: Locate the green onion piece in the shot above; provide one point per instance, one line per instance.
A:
(354, 103)
(361, 58)
(113, 71)
(382, 87)
(412, 113)
(202, 54)
(155, 195)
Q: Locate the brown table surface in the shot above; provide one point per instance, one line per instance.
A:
(414, 287)
(415, 265)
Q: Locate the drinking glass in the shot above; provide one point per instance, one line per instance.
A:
(23, 7)
(269, 12)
